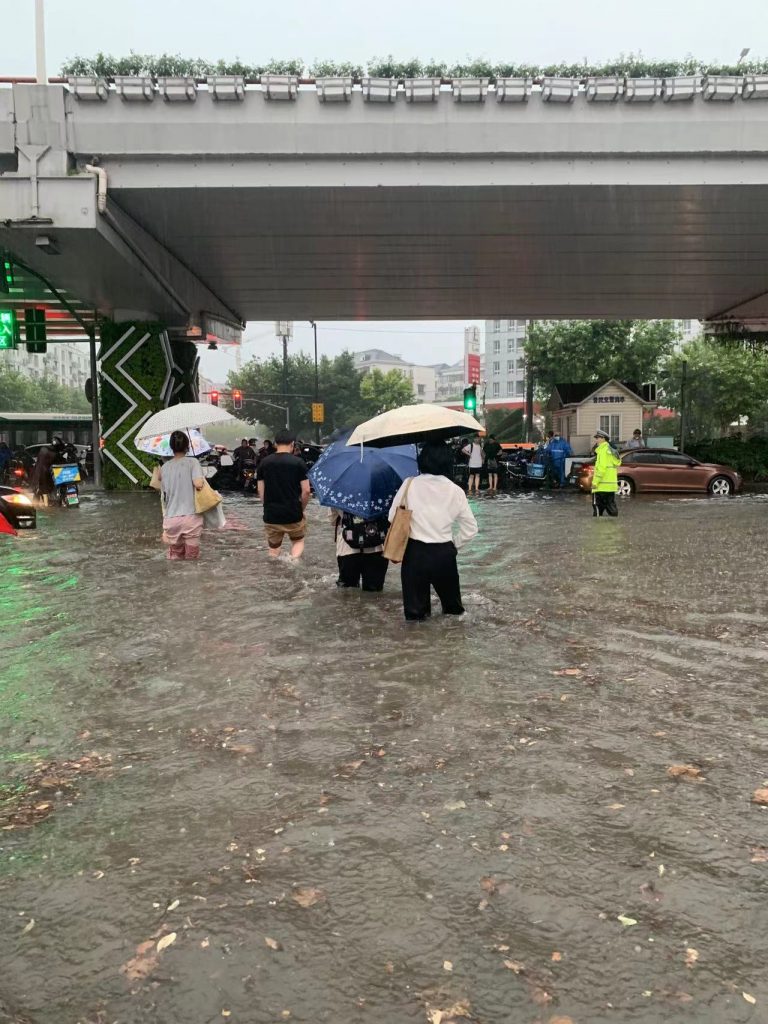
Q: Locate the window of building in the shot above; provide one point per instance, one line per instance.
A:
(521, 363)
(611, 424)
(496, 389)
(496, 367)
(421, 389)
(521, 387)
(497, 325)
(510, 346)
(510, 387)
(496, 347)
(687, 324)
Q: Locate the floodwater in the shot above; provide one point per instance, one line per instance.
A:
(342, 818)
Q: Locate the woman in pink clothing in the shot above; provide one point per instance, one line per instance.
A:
(179, 479)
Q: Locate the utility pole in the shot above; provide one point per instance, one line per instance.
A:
(284, 330)
(42, 75)
(529, 375)
(95, 427)
(317, 381)
(683, 389)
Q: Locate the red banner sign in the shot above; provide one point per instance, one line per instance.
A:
(473, 368)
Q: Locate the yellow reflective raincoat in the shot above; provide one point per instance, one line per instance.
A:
(605, 477)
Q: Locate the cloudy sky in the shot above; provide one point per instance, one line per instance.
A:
(451, 30)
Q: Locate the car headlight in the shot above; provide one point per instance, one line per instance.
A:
(17, 499)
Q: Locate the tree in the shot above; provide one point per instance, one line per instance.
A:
(19, 393)
(576, 351)
(339, 386)
(725, 382)
(384, 391)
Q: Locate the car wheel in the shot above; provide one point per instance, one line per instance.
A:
(720, 486)
(626, 487)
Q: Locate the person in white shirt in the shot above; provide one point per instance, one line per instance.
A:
(636, 441)
(474, 451)
(441, 521)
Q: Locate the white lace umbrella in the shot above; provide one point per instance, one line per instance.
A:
(412, 424)
(180, 417)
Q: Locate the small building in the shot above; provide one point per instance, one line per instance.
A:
(578, 410)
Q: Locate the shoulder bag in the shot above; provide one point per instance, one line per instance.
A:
(399, 532)
(206, 498)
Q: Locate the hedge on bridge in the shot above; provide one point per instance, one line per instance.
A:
(749, 457)
(629, 66)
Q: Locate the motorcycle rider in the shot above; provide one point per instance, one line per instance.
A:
(242, 454)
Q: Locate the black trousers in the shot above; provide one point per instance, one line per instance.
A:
(604, 503)
(425, 566)
(371, 567)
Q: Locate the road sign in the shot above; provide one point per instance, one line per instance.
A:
(9, 331)
(473, 368)
(318, 412)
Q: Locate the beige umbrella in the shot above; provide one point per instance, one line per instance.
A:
(413, 424)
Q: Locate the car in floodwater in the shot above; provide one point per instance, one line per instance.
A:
(664, 469)
(17, 508)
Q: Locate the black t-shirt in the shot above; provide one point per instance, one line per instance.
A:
(491, 450)
(282, 475)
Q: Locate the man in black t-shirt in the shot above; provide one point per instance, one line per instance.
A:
(284, 488)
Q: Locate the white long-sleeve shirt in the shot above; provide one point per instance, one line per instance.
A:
(440, 510)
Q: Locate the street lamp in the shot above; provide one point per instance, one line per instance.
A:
(42, 75)
(744, 53)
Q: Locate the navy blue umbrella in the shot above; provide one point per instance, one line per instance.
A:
(362, 481)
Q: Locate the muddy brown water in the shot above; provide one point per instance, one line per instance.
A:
(441, 794)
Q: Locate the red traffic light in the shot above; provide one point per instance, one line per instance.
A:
(237, 398)
(214, 398)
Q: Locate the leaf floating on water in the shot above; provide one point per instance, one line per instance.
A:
(447, 965)
(272, 943)
(568, 672)
(759, 855)
(515, 965)
(626, 921)
(691, 956)
(560, 1020)
(306, 896)
(172, 906)
(460, 1009)
(166, 941)
(454, 805)
(28, 926)
(556, 957)
(616, 807)
(749, 998)
(760, 796)
(143, 963)
(685, 771)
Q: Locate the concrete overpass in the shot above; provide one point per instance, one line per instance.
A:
(179, 210)
(255, 207)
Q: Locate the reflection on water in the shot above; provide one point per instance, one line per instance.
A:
(292, 764)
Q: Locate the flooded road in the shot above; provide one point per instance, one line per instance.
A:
(342, 818)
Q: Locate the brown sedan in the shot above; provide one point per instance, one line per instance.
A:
(661, 469)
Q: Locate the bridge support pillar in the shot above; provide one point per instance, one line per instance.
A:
(142, 371)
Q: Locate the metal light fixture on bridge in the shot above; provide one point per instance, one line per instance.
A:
(681, 88)
(422, 90)
(379, 90)
(47, 244)
(559, 90)
(135, 88)
(280, 87)
(604, 90)
(335, 89)
(513, 90)
(643, 90)
(177, 89)
(469, 90)
(88, 87)
(226, 87)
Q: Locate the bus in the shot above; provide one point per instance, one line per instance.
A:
(21, 429)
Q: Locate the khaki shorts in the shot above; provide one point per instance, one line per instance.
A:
(276, 531)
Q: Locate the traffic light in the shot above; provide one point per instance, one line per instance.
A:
(34, 330)
(6, 276)
(214, 398)
(470, 398)
(237, 399)
(9, 329)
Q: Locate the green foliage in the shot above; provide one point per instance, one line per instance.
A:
(625, 65)
(19, 393)
(725, 382)
(339, 386)
(750, 457)
(576, 351)
(384, 391)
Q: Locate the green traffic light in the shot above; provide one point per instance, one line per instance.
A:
(8, 329)
(470, 399)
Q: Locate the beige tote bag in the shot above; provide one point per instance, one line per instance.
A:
(400, 529)
(206, 498)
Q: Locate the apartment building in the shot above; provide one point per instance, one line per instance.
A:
(422, 378)
(505, 361)
(67, 363)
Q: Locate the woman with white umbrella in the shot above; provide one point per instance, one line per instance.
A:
(179, 479)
